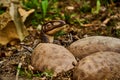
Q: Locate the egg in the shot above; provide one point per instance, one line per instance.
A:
(53, 57)
(89, 45)
(98, 66)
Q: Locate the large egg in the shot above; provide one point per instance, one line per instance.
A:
(89, 45)
(47, 56)
(98, 66)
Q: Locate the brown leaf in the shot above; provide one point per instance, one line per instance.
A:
(7, 29)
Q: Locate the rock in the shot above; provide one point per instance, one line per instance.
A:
(89, 45)
(52, 57)
(98, 66)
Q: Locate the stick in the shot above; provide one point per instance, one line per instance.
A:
(18, 70)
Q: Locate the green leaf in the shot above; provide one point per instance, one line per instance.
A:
(44, 6)
(98, 5)
(97, 9)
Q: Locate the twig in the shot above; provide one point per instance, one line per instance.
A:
(18, 70)
(28, 48)
(111, 17)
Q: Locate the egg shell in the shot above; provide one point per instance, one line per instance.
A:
(89, 45)
(47, 56)
(98, 66)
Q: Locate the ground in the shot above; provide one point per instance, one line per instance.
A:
(106, 23)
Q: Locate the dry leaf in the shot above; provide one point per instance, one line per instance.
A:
(12, 27)
(7, 29)
(25, 13)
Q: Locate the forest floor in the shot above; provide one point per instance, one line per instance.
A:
(105, 23)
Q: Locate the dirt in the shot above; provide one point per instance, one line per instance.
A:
(12, 56)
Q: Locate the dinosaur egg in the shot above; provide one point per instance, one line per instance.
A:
(98, 66)
(47, 56)
(89, 45)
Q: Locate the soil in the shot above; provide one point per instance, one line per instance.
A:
(13, 55)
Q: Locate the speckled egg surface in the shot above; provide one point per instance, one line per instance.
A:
(52, 57)
(98, 66)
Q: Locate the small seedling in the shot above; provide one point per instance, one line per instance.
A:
(44, 6)
(47, 73)
(97, 8)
